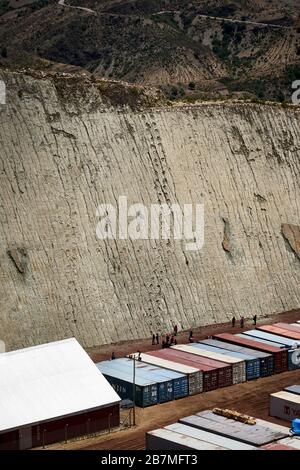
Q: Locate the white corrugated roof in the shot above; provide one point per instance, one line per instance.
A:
(47, 381)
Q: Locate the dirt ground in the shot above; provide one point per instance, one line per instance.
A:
(250, 397)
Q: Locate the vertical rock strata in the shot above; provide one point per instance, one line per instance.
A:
(65, 149)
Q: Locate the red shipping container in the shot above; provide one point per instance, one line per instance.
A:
(279, 331)
(274, 446)
(280, 355)
(215, 374)
(288, 327)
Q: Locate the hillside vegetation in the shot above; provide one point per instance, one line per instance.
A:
(191, 49)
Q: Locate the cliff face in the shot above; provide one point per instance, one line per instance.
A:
(66, 147)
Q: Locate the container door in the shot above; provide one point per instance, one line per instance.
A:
(25, 438)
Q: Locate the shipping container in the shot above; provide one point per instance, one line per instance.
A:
(252, 364)
(290, 344)
(286, 326)
(215, 375)
(276, 446)
(291, 442)
(255, 435)
(275, 427)
(260, 340)
(285, 405)
(280, 355)
(266, 361)
(195, 376)
(166, 383)
(274, 340)
(279, 331)
(206, 436)
(221, 375)
(165, 439)
(293, 389)
(180, 381)
(238, 365)
(146, 393)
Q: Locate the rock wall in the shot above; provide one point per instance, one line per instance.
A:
(66, 147)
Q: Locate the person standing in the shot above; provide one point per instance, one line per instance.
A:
(191, 336)
(175, 330)
(242, 322)
(254, 319)
(157, 338)
(153, 339)
(233, 322)
(113, 356)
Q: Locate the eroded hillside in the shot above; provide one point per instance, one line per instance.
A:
(69, 144)
(197, 48)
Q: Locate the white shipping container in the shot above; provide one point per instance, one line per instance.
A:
(238, 365)
(164, 439)
(195, 376)
(206, 436)
(291, 441)
(273, 426)
(285, 405)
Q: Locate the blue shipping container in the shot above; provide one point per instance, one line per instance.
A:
(260, 340)
(180, 381)
(164, 386)
(266, 361)
(293, 354)
(146, 393)
(293, 389)
(281, 340)
(252, 364)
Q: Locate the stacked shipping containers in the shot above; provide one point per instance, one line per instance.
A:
(252, 364)
(266, 361)
(171, 385)
(238, 365)
(280, 331)
(146, 393)
(295, 327)
(215, 374)
(195, 376)
(280, 356)
(280, 341)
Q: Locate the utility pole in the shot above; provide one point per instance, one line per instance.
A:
(133, 390)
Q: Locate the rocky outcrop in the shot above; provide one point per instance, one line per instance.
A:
(68, 146)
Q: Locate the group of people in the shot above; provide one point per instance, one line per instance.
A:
(242, 321)
(167, 340)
